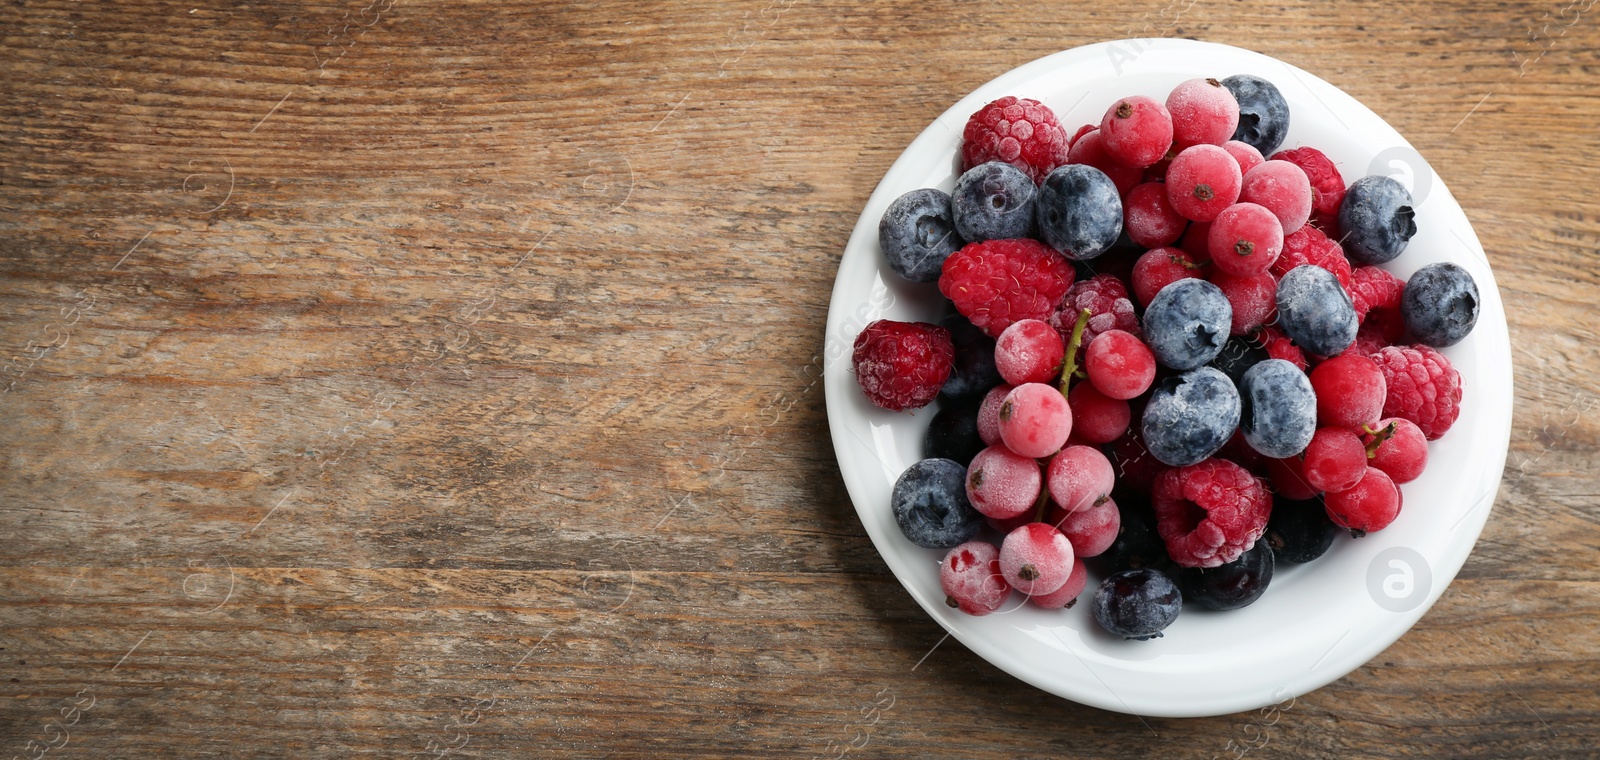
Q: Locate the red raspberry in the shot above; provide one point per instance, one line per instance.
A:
(1160, 267)
(1019, 131)
(1309, 245)
(1148, 218)
(1254, 299)
(1202, 181)
(1376, 295)
(1136, 131)
(1369, 340)
(1106, 298)
(902, 365)
(1210, 513)
(997, 282)
(1327, 187)
(1245, 239)
(1203, 111)
(1090, 150)
(1278, 346)
(1423, 388)
(1371, 504)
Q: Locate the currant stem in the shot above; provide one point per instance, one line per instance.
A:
(1069, 362)
(1378, 437)
(1044, 490)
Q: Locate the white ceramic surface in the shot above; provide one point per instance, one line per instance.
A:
(1316, 622)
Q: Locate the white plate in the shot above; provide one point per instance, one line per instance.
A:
(1316, 622)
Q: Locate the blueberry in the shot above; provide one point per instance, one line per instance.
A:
(1315, 311)
(1190, 416)
(993, 201)
(917, 234)
(1440, 304)
(930, 504)
(1277, 409)
(1137, 604)
(1299, 531)
(1377, 220)
(973, 372)
(1230, 585)
(1187, 323)
(1238, 355)
(1137, 544)
(1079, 211)
(953, 433)
(1263, 113)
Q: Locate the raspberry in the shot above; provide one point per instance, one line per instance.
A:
(1245, 153)
(1370, 505)
(1283, 188)
(1398, 447)
(989, 414)
(1079, 477)
(1035, 420)
(971, 579)
(1106, 298)
(902, 365)
(1203, 111)
(1334, 460)
(1309, 245)
(1278, 346)
(1370, 339)
(1091, 530)
(1254, 299)
(1423, 388)
(1160, 267)
(1148, 218)
(1036, 558)
(997, 282)
(1090, 150)
(1202, 181)
(1210, 513)
(1350, 391)
(1019, 131)
(1119, 365)
(1001, 484)
(1064, 597)
(1376, 295)
(1327, 187)
(1029, 352)
(1136, 131)
(1096, 417)
(1245, 239)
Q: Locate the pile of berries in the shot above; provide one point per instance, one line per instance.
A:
(1174, 356)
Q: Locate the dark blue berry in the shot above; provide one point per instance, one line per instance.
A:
(1079, 211)
(1277, 409)
(1190, 416)
(953, 433)
(917, 234)
(1238, 355)
(1187, 323)
(1137, 604)
(1230, 585)
(1137, 544)
(973, 372)
(1315, 311)
(993, 201)
(1377, 219)
(1440, 304)
(1299, 531)
(1263, 113)
(930, 504)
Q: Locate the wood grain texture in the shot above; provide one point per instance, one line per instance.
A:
(390, 377)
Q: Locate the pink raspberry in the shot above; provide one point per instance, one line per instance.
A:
(1376, 295)
(1106, 298)
(1036, 558)
(1245, 239)
(997, 282)
(1203, 111)
(1202, 181)
(1327, 187)
(1283, 188)
(1136, 131)
(1019, 131)
(1254, 299)
(1422, 388)
(1160, 267)
(1149, 219)
(1210, 513)
(1308, 245)
(1245, 153)
(1278, 346)
(902, 365)
(971, 579)
(1090, 151)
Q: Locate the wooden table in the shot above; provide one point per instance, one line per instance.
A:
(395, 379)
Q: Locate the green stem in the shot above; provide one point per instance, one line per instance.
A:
(1378, 437)
(1069, 362)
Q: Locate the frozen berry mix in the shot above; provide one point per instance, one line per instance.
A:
(1166, 307)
